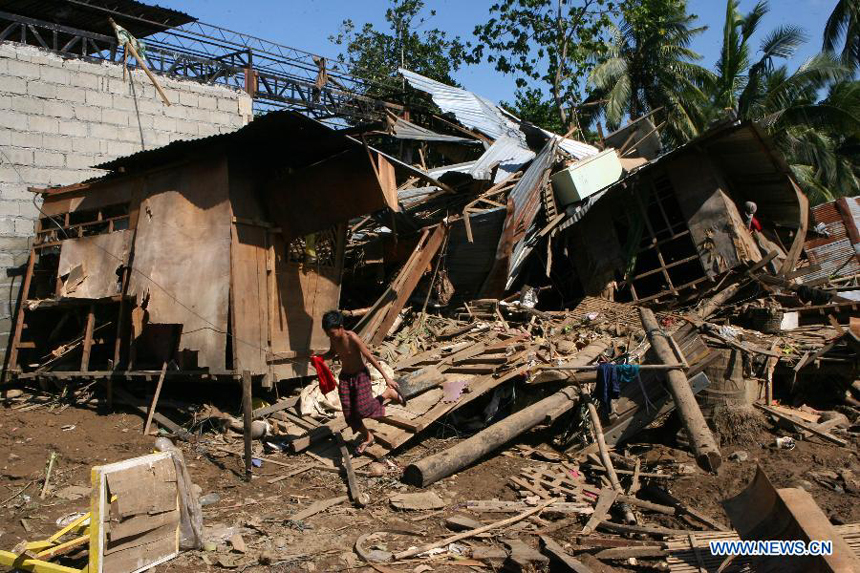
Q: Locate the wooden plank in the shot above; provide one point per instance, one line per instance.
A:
(556, 551)
(249, 279)
(130, 479)
(800, 423)
(498, 506)
(420, 259)
(155, 400)
(247, 419)
(358, 498)
(136, 558)
(149, 500)
(99, 257)
(164, 421)
(140, 524)
(276, 407)
(604, 503)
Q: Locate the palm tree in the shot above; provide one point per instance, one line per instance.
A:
(844, 21)
(650, 65)
(810, 131)
(738, 79)
(820, 138)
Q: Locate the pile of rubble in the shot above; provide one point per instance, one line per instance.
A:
(623, 304)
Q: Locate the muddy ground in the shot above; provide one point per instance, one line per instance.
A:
(83, 437)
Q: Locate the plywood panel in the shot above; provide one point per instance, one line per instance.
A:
(250, 297)
(702, 203)
(99, 257)
(182, 256)
(125, 544)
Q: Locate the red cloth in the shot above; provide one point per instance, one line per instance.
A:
(755, 225)
(356, 399)
(327, 383)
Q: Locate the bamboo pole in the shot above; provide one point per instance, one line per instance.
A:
(607, 461)
(143, 65)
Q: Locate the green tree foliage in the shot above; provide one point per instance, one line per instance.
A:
(844, 22)
(374, 56)
(550, 42)
(532, 105)
(649, 65)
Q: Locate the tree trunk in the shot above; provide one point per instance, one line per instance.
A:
(452, 460)
(702, 440)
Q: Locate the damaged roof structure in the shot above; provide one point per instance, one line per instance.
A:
(602, 300)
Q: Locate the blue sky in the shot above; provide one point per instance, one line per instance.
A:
(307, 24)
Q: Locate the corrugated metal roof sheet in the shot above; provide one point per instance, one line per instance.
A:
(476, 112)
(403, 129)
(470, 109)
(526, 199)
(139, 19)
(465, 167)
(505, 151)
(414, 195)
(280, 137)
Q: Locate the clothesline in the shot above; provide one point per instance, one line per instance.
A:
(595, 366)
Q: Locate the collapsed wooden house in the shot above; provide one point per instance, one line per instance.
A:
(675, 225)
(219, 254)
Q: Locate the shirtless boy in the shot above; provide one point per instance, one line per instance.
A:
(354, 389)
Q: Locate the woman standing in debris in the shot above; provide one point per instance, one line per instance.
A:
(354, 390)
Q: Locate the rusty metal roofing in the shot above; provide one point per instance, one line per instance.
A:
(139, 19)
(837, 250)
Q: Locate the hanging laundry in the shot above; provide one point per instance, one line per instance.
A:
(611, 378)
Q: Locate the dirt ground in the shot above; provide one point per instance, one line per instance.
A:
(83, 437)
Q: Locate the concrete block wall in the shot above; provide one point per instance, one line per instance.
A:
(59, 117)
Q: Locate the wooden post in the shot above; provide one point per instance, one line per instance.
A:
(607, 461)
(155, 399)
(701, 439)
(88, 338)
(358, 498)
(433, 468)
(249, 418)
